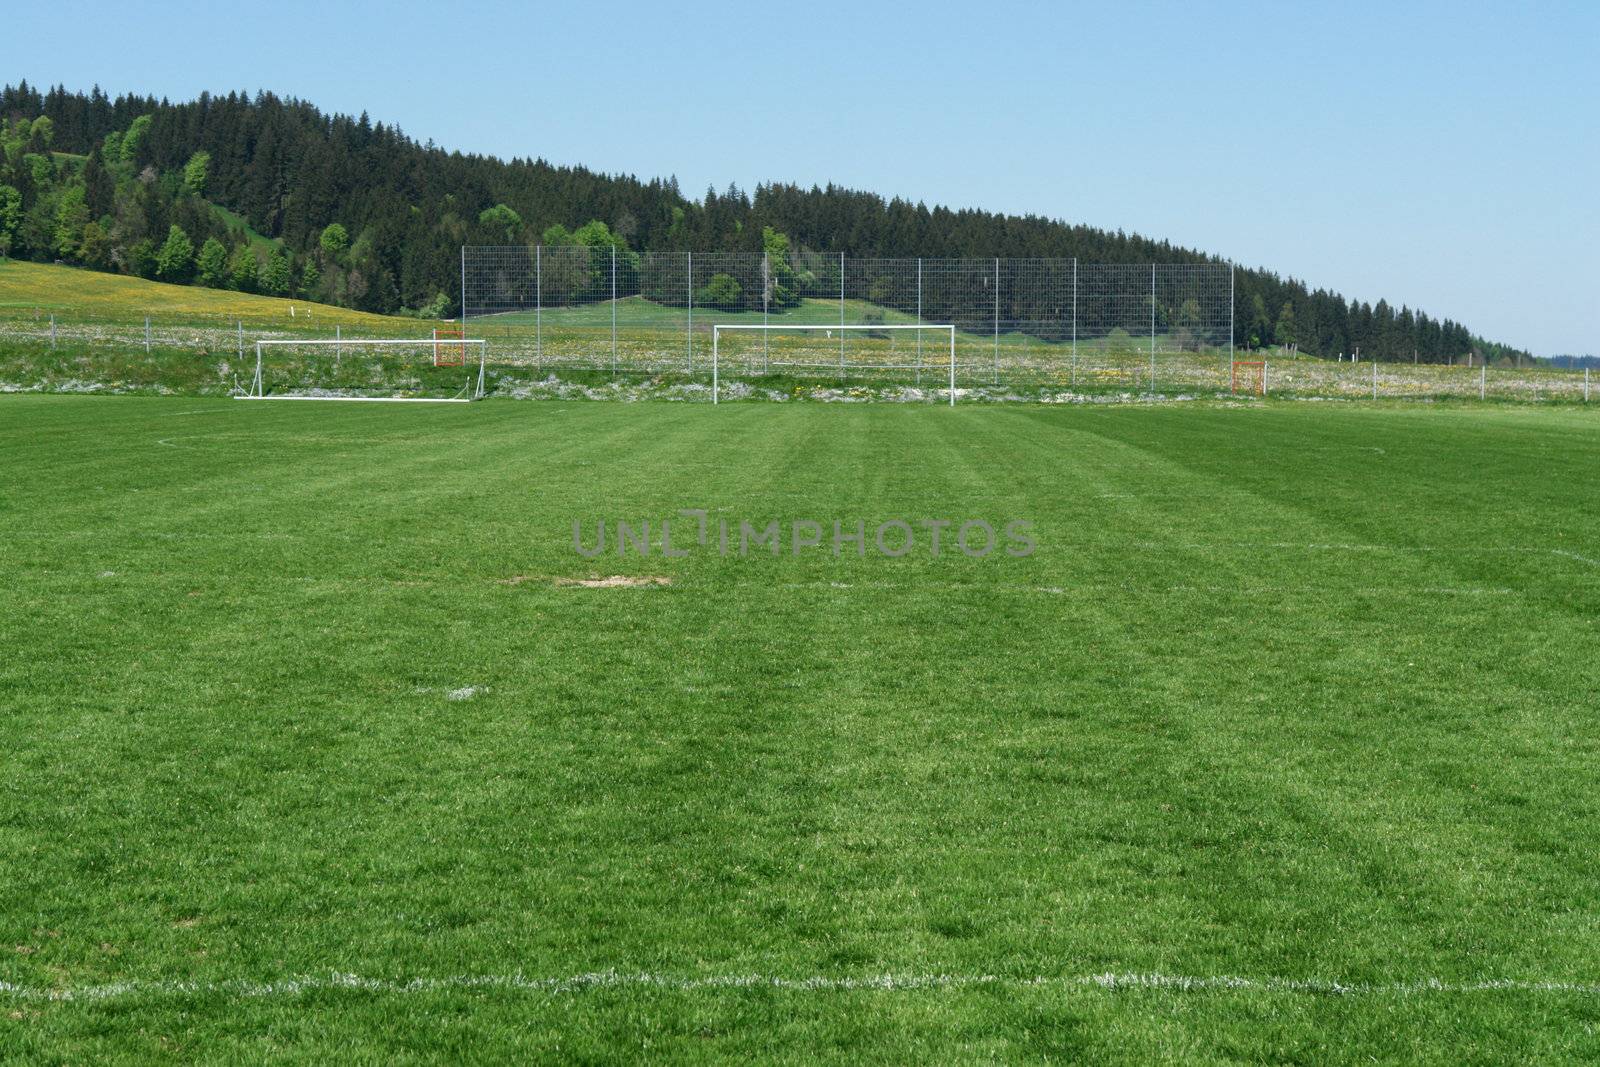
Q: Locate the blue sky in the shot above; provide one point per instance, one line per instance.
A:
(1443, 155)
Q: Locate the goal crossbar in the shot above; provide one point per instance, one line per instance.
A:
(258, 392)
(719, 328)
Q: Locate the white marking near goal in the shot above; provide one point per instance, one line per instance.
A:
(257, 390)
(717, 330)
(1110, 982)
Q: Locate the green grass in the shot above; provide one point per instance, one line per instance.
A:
(1298, 693)
(262, 244)
(80, 295)
(640, 313)
(636, 314)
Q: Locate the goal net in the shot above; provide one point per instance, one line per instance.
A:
(923, 354)
(441, 368)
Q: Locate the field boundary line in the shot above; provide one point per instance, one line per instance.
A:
(517, 982)
(1340, 546)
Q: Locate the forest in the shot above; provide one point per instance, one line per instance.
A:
(263, 193)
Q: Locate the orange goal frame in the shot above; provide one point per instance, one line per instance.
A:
(448, 354)
(1257, 378)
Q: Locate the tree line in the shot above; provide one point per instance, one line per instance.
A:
(267, 194)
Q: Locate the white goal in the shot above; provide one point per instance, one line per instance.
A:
(883, 350)
(425, 370)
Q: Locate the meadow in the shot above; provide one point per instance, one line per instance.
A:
(325, 744)
(69, 330)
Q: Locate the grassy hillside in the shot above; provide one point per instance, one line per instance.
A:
(85, 295)
(234, 221)
(1280, 747)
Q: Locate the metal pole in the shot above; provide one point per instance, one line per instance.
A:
(919, 320)
(952, 366)
(1586, 384)
(1374, 379)
(338, 349)
(147, 334)
(52, 329)
(1230, 314)
(715, 337)
(997, 320)
(690, 290)
(258, 369)
(766, 287)
(841, 318)
(1152, 329)
(1483, 381)
(538, 308)
(1074, 322)
(241, 337)
(463, 291)
(613, 309)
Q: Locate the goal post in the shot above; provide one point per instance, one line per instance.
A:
(382, 370)
(878, 330)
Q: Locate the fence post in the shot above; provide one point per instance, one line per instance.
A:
(766, 295)
(538, 309)
(240, 324)
(1074, 322)
(52, 329)
(1230, 325)
(1586, 384)
(613, 309)
(1152, 329)
(1374, 379)
(919, 320)
(841, 318)
(952, 366)
(147, 334)
(338, 345)
(1264, 362)
(1483, 381)
(997, 320)
(715, 361)
(690, 290)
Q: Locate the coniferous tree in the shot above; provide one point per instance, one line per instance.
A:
(275, 276)
(242, 269)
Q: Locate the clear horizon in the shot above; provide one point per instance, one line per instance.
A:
(1437, 156)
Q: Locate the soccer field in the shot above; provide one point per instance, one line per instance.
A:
(1281, 745)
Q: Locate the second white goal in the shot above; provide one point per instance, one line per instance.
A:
(915, 349)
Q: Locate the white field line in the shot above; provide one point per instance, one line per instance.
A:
(1338, 546)
(290, 987)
